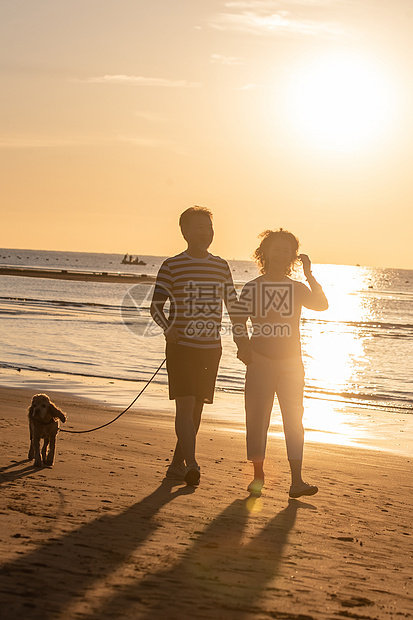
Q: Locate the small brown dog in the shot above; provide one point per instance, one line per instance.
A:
(44, 419)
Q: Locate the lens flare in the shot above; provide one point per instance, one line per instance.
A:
(254, 505)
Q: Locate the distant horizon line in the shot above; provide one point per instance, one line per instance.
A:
(250, 260)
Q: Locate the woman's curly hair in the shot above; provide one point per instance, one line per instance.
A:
(267, 237)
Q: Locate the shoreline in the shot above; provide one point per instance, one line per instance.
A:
(103, 534)
(325, 422)
(77, 275)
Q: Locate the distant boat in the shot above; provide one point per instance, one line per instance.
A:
(129, 260)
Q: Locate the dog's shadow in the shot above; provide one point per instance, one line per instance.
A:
(9, 473)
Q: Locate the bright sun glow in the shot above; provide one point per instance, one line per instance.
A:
(341, 102)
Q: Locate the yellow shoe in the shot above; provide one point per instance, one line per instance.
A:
(255, 487)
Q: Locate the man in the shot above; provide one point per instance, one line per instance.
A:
(196, 283)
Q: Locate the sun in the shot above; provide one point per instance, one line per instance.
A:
(340, 102)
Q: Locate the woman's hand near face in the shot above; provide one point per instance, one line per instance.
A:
(306, 262)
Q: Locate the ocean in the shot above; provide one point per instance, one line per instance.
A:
(358, 353)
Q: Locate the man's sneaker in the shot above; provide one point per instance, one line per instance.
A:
(302, 489)
(176, 472)
(192, 476)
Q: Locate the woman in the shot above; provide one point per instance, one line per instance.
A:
(273, 302)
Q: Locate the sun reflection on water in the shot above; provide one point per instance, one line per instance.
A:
(328, 422)
(334, 352)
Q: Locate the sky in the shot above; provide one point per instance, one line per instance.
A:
(117, 115)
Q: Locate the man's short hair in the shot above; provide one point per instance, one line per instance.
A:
(188, 214)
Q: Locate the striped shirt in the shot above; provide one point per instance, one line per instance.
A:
(196, 288)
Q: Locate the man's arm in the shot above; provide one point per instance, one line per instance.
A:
(314, 299)
(157, 313)
(160, 295)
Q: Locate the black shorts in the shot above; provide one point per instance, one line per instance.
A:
(192, 372)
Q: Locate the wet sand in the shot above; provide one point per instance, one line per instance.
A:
(102, 534)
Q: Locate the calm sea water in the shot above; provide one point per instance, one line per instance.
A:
(359, 352)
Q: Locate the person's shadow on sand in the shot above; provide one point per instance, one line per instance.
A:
(46, 580)
(223, 574)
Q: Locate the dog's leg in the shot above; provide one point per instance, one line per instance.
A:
(36, 447)
(30, 456)
(50, 457)
(44, 450)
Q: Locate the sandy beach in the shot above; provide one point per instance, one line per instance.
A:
(103, 534)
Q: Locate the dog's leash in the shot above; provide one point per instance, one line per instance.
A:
(90, 430)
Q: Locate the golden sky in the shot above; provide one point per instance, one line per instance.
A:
(117, 116)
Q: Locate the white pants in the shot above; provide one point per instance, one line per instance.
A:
(266, 377)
